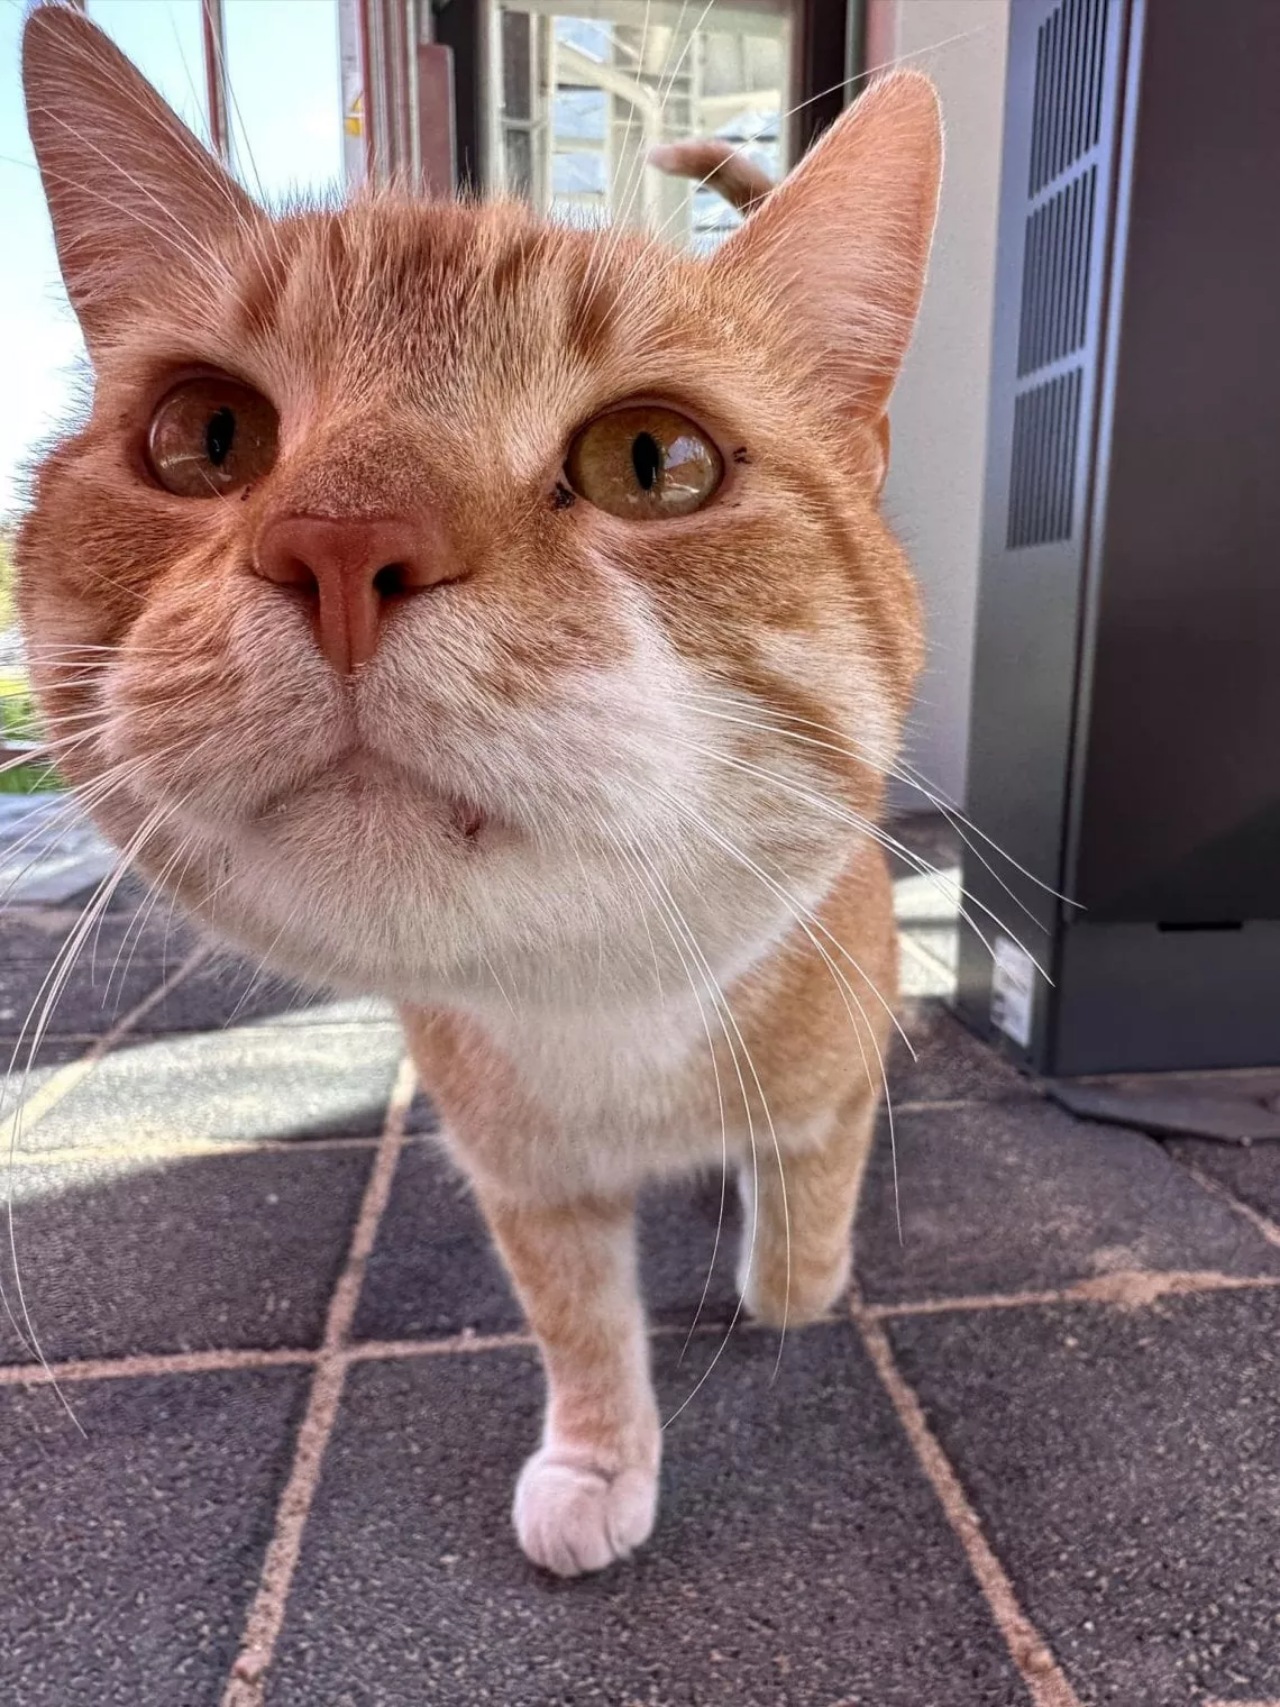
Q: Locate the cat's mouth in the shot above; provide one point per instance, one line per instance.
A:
(361, 772)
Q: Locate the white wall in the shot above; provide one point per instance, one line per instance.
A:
(939, 412)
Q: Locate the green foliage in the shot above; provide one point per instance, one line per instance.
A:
(18, 722)
(17, 708)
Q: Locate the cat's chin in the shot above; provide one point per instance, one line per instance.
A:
(368, 775)
(366, 793)
(357, 875)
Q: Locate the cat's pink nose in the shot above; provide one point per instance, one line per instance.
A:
(353, 570)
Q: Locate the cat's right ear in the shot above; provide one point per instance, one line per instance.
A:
(132, 193)
(839, 249)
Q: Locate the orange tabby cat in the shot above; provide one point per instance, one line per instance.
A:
(499, 617)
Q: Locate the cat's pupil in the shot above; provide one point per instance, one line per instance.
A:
(646, 459)
(219, 436)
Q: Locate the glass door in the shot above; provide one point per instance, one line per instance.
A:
(582, 89)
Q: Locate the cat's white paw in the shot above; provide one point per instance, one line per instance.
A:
(572, 1517)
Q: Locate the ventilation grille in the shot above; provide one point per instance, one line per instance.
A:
(1057, 268)
(1055, 276)
(1067, 110)
(1046, 427)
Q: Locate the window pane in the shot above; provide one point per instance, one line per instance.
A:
(589, 86)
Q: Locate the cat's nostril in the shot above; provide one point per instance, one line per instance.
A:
(301, 577)
(287, 569)
(352, 571)
(392, 580)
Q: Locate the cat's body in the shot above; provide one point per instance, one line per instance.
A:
(499, 619)
(607, 1095)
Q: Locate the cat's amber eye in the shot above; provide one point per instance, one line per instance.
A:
(210, 437)
(644, 462)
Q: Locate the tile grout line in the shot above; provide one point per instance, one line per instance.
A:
(143, 1365)
(180, 1147)
(944, 1105)
(187, 1149)
(1125, 1290)
(32, 1109)
(1044, 1679)
(1257, 1220)
(266, 1615)
(465, 1344)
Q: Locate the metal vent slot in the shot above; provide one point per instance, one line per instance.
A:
(1055, 275)
(1067, 106)
(1046, 426)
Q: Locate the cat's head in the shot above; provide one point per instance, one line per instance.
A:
(432, 589)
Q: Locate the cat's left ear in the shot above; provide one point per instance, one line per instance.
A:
(134, 197)
(840, 248)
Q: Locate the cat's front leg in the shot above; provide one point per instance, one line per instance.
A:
(588, 1496)
(798, 1207)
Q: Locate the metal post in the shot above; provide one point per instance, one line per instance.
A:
(213, 34)
(437, 146)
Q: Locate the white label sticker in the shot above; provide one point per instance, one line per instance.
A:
(1013, 991)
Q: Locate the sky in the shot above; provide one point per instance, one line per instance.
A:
(282, 61)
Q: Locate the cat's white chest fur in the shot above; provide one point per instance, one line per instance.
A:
(609, 1082)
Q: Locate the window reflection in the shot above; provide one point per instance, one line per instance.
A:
(587, 87)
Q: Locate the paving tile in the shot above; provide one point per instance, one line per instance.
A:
(1009, 1196)
(97, 992)
(422, 1116)
(150, 932)
(48, 851)
(777, 1574)
(23, 1074)
(19, 1083)
(128, 953)
(950, 1062)
(685, 1270)
(1124, 1465)
(433, 1271)
(1251, 1171)
(250, 1082)
(223, 994)
(127, 1256)
(135, 1549)
(922, 977)
(940, 944)
(226, 991)
(322, 1007)
(927, 907)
